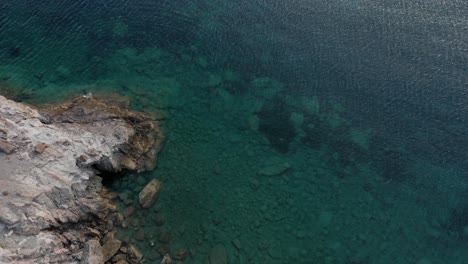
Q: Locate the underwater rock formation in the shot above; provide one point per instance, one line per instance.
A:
(53, 205)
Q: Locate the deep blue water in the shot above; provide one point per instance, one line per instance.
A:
(365, 100)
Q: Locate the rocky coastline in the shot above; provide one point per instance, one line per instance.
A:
(53, 206)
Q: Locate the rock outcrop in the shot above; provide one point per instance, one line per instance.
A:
(53, 207)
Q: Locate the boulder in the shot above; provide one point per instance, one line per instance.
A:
(92, 253)
(110, 248)
(149, 194)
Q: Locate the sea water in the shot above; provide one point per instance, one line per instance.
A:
(297, 131)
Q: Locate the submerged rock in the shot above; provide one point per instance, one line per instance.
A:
(166, 259)
(218, 255)
(110, 248)
(49, 160)
(181, 254)
(149, 194)
(134, 255)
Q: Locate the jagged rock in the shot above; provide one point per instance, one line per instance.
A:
(92, 253)
(149, 194)
(49, 160)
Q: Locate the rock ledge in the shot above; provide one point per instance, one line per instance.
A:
(52, 203)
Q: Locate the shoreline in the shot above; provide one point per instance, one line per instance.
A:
(54, 207)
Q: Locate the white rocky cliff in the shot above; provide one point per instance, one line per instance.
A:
(52, 205)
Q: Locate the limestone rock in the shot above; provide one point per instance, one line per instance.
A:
(149, 194)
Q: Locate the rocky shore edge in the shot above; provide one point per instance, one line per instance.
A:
(53, 206)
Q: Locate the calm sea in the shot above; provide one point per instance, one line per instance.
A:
(297, 131)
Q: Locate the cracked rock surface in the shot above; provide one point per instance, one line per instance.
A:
(49, 159)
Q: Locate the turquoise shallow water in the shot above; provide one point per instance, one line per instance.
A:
(296, 133)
